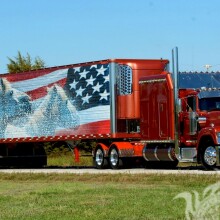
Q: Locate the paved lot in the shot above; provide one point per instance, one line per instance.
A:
(109, 171)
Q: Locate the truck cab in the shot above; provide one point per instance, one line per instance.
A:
(199, 123)
(190, 134)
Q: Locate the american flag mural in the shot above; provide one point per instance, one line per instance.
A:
(73, 101)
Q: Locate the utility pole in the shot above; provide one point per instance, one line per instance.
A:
(207, 66)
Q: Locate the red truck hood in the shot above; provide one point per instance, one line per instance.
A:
(213, 118)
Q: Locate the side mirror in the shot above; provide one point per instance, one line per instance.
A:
(179, 105)
(193, 123)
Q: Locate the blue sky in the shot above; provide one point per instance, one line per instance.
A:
(72, 31)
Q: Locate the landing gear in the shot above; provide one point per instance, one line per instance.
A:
(208, 157)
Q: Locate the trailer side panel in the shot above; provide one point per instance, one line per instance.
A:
(52, 103)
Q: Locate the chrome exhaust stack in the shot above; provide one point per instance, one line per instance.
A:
(175, 66)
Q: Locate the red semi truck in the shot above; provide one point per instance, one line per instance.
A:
(134, 109)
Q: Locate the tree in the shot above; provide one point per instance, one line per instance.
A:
(21, 63)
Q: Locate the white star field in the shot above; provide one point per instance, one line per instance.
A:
(90, 81)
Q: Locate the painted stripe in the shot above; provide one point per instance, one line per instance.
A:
(42, 91)
(91, 129)
(95, 114)
(26, 75)
(35, 83)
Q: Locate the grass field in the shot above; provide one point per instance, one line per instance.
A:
(70, 196)
(66, 160)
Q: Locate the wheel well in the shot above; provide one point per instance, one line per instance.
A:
(125, 149)
(203, 141)
(112, 146)
(103, 147)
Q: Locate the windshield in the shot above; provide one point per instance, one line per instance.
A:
(209, 104)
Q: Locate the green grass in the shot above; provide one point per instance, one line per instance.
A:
(68, 160)
(121, 196)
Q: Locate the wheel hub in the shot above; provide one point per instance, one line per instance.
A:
(114, 157)
(210, 156)
(99, 157)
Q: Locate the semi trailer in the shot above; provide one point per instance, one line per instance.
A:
(134, 109)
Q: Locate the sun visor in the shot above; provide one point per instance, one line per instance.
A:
(209, 94)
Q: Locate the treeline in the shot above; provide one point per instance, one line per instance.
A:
(22, 63)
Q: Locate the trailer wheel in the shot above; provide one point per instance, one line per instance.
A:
(114, 159)
(100, 162)
(208, 156)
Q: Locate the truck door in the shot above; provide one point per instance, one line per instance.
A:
(163, 115)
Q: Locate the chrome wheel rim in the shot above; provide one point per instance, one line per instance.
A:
(99, 157)
(114, 157)
(210, 156)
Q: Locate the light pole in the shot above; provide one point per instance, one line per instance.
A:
(207, 66)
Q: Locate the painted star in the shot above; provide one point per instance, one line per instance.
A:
(97, 87)
(104, 95)
(106, 78)
(79, 91)
(90, 81)
(95, 66)
(73, 84)
(86, 99)
(101, 71)
(77, 69)
(83, 74)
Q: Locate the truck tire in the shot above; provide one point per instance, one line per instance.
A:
(208, 156)
(114, 160)
(100, 162)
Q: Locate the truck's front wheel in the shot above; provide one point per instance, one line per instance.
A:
(208, 157)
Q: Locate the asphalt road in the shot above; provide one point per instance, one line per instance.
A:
(89, 170)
